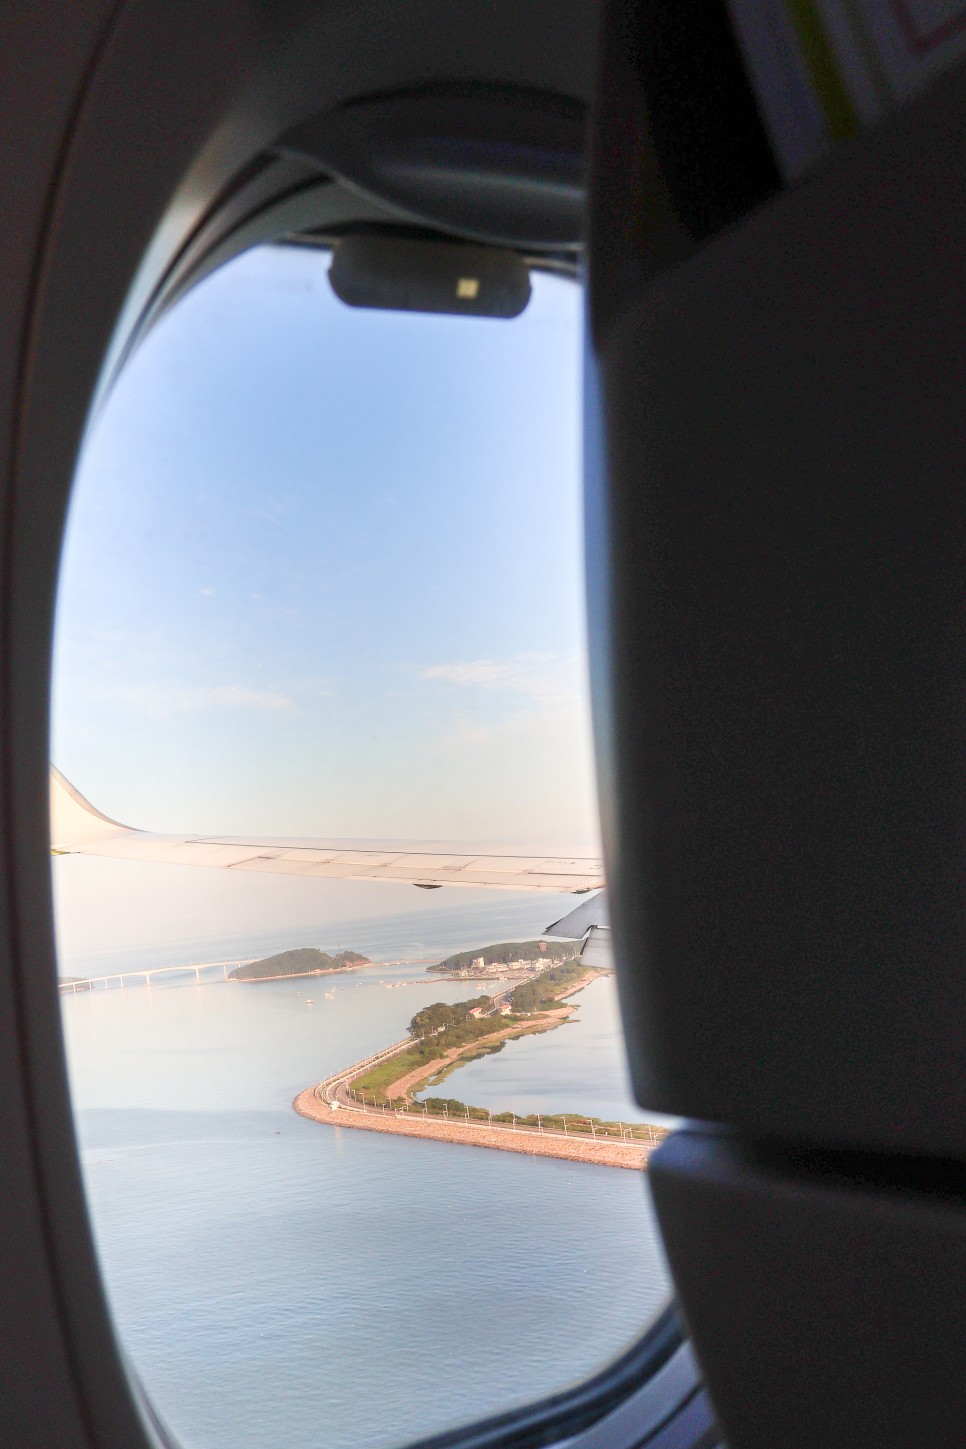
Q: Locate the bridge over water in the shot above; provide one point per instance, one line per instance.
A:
(145, 975)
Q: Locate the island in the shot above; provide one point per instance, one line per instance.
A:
(303, 961)
(507, 956)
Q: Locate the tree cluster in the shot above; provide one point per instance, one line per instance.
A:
(505, 952)
(304, 960)
(442, 1014)
(544, 990)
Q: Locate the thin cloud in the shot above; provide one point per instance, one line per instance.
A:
(539, 676)
(179, 699)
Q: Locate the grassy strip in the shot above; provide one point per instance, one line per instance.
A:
(378, 1078)
(421, 1053)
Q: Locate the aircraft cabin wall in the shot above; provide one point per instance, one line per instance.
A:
(777, 525)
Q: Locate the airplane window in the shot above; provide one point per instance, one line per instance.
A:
(362, 1159)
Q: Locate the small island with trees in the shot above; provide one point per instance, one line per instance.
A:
(303, 961)
(506, 956)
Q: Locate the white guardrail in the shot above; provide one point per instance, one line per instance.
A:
(325, 1089)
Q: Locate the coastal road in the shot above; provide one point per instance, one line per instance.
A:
(333, 1093)
(527, 1141)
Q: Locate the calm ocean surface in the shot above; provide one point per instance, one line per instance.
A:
(281, 1284)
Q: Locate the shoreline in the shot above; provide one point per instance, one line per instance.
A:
(297, 975)
(330, 1103)
(632, 1156)
(322, 971)
(307, 975)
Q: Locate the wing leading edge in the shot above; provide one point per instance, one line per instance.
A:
(77, 828)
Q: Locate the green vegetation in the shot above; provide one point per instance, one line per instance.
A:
(429, 1048)
(440, 1027)
(507, 951)
(374, 1082)
(544, 990)
(441, 1015)
(572, 1124)
(449, 1107)
(304, 961)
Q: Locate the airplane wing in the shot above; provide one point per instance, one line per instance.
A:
(77, 828)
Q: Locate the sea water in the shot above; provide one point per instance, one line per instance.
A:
(281, 1284)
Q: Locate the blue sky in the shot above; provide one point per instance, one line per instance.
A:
(322, 576)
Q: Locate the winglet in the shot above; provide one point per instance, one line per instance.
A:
(74, 821)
